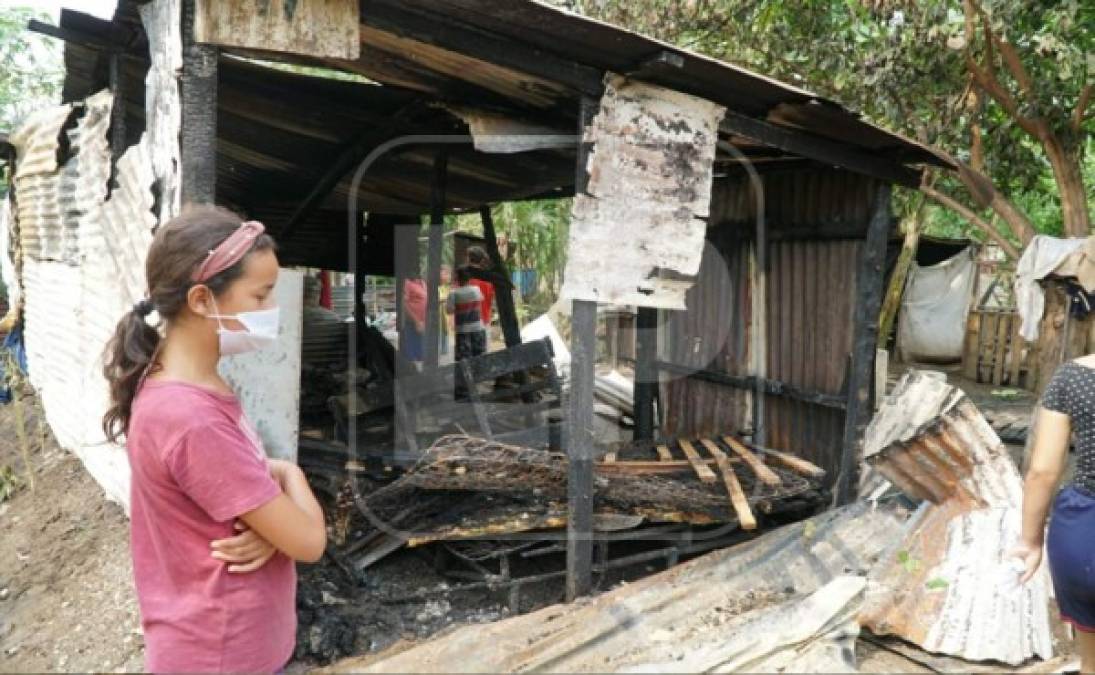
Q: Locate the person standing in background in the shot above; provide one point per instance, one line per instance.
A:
(463, 304)
(478, 259)
(414, 318)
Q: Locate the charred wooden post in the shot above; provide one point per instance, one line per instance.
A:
(507, 313)
(433, 257)
(198, 99)
(646, 372)
(117, 112)
(583, 350)
(868, 302)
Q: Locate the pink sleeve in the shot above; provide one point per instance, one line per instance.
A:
(217, 466)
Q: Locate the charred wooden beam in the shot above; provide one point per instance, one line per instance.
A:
(749, 382)
(821, 149)
(646, 372)
(868, 301)
(350, 157)
(580, 414)
(198, 98)
(507, 313)
(117, 111)
(433, 256)
(397, 19)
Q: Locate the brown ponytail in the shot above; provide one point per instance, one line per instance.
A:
(178, 248)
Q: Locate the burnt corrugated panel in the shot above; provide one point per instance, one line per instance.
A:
(815, 219)
(678, 620)
(949, 585)
(72, 306)
(36, 182)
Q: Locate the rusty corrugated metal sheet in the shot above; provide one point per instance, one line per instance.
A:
(72, 304)
(42, 232)
(810, 300)
(949, 585)
(680, 616)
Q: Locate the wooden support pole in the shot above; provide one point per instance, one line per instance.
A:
(433, 257)
(503, 295)
(646, 372)
(198, 98)
(583, 351)
(117, 112)
(868, 300)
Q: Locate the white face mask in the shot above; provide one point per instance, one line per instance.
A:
(261, 330)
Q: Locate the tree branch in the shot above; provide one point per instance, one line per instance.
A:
(986, 77)
(975, 220)
(1081, 106)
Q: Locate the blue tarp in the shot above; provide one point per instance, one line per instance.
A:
(13, 344)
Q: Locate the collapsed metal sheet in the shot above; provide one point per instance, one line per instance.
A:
(637, 233)
(686, 612)
(949, 586)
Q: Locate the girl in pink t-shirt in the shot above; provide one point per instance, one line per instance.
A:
(215, 526)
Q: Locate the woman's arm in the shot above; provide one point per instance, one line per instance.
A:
(293, 521)
(1051, 437)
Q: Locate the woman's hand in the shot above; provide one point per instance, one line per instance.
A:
(245, 552)
(1030, 554)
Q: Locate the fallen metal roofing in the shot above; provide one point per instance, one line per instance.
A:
(949, 586)
(668, 620)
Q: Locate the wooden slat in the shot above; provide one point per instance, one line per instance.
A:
(766, 475)
(733, 487)
(989, 320)
(796, 464)
(971, 347)
(643, 467)
(1000, 351)
(664, 453)
(610, 458)
(703, 472)
(1016, 352)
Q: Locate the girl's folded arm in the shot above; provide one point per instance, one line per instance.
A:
(293, 521)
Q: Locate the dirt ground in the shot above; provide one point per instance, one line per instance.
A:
(67, 603)
(66, 595)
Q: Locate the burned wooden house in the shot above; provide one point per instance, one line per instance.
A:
(749, 220)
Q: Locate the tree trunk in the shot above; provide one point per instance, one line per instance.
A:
(894, 293)
(1070, 185)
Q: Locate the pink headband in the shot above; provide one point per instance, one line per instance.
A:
(229, 251)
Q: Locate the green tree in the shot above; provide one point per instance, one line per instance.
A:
(31, 69)
(1003, 90)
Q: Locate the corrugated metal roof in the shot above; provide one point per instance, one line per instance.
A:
(279, 132)
(949, 585)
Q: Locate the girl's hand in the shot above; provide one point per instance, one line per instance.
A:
(1031, 556)
(245, 552)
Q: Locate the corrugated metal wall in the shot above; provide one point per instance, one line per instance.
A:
(816, 219)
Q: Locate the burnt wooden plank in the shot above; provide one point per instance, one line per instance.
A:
(796, 464)
(321, 28)
(769, 386)
(664, 453)
(703, 472)
(733, 487)
(869, 279)
(766, 475)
